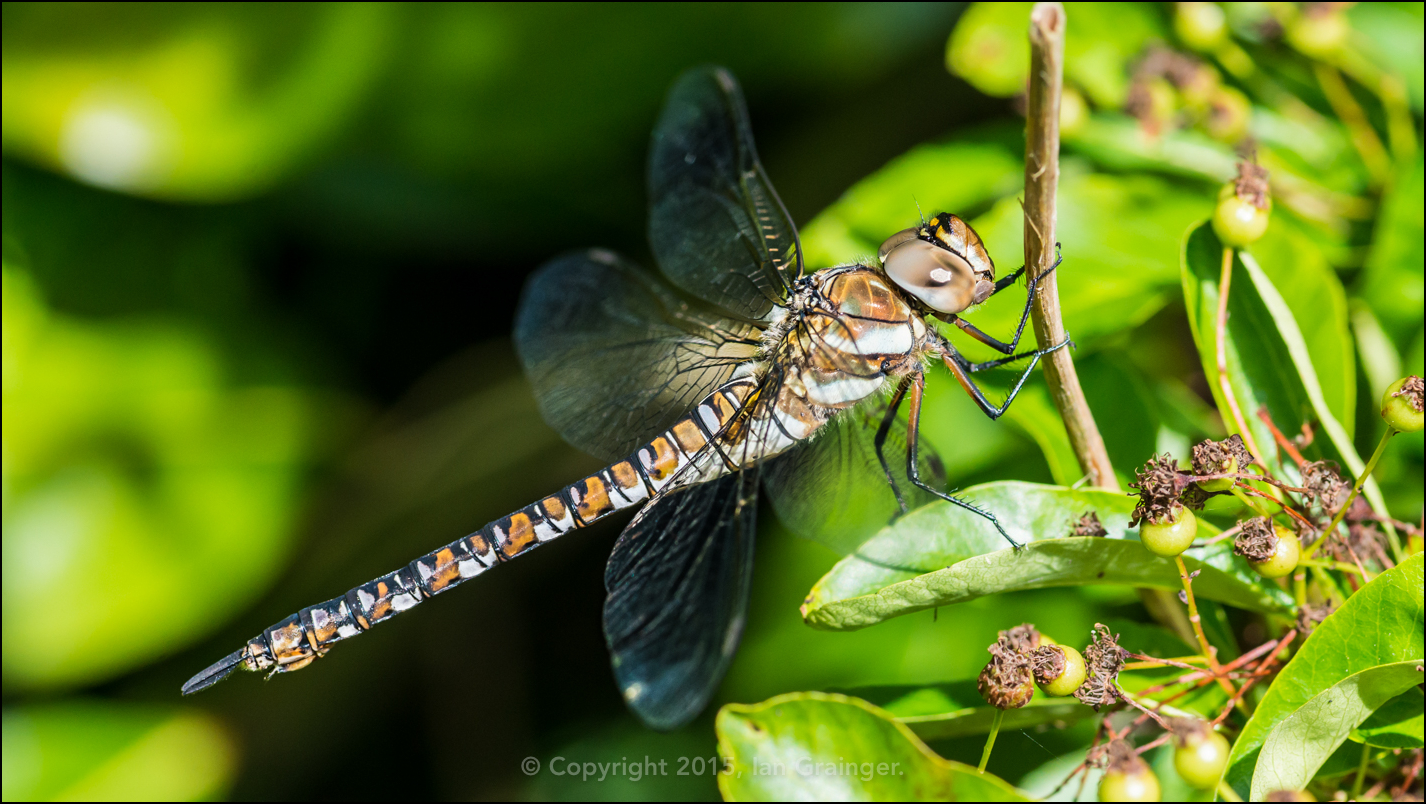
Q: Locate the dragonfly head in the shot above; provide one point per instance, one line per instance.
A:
(942, 263)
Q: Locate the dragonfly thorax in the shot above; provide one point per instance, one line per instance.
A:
(849, 330)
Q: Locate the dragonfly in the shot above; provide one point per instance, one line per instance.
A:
(732, 370)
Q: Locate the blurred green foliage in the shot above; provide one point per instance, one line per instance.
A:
(260, 263)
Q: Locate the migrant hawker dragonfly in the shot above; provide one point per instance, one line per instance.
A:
(734, 369)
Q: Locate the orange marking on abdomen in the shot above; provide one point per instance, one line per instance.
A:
(519, 536)
(591, 498)
(690, 439)
(665, 459)
(447, 570)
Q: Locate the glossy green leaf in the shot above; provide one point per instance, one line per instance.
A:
(941, 554)
(100, 751)
(1302, 741)
(1295, 265)
(1267, 358)
(945, 711)
(816, 746)
(1378, 626)
(1398, 723)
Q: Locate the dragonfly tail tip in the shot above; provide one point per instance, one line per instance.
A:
(215, 672)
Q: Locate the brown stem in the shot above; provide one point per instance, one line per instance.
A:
(1287, 446)
(1042, 177)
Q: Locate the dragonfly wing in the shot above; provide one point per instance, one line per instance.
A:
(716, 225)
(678, 582)
(833, 489)
(616, 356)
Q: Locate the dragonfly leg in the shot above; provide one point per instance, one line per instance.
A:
(892, 407)
(913, 438)
(999, 346)
(963, 368)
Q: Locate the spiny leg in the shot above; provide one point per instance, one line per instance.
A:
(1007, 348)
(913, 438)
(892, 407)
(962, 368)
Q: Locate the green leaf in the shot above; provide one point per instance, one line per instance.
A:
(1397, 724)
(1311, 290)
(990, 47)
(1392, 279)
(967, 174)
(1267, 358)
(100, 751)
(815, 746)
(1378, 626)
(211, 105)
(1302, 741)
(956, 709)
(1391, 33)
(158, 497)
(941, 554)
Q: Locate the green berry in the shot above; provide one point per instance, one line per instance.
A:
(1201, 26)
(1320, 36)
(1228, 114)
(1134, 785)
(1073, 111)
(1222, 483)
(1170, 538)
(1401, 405)
(1284, 560)
(1239, 222)
(1200, 758)
(1071, 676)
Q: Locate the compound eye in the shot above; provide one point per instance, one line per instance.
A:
(941, 280)
(901, 237)
(983, 289)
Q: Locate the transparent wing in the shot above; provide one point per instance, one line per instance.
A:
(716, 226)
(678, 583)
(833, 489)
(615, 356)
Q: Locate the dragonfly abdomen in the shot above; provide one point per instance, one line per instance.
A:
(676, 457)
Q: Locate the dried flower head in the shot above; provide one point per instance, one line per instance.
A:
(1188, 729)
(1104, 659)
(1123, 759)
(1252, 184)
(1006, 682)
(1213, 457)
(1324, 480)
(1159, 483)
(1257, 540)
(1022, 638)
(1089, 525)
(1413, 392)
(1047, 662)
